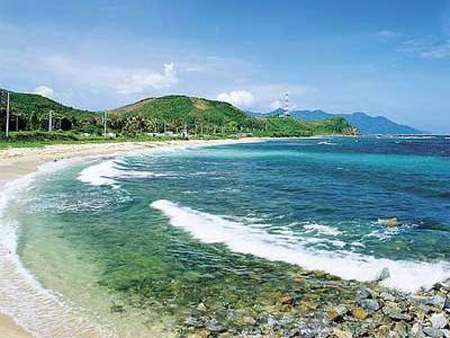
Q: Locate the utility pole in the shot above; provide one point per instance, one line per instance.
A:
(17, 122)
(7, 115)
(50, 121)
(105, 118)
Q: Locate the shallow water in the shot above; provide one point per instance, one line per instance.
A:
(137, 236)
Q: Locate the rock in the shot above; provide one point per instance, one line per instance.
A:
(248, 321)
(286, 299)
(399, 316)
(446, 333)
(307, 332)
(341, 334)
(383, 331)
(214, 326)
(369, 304)
(384, 274)
(421, 300)
(420, 315)
(190, 321)
(360, 314)
(432, 332)
(445, 285)
(400, 330)
(199, 334)
(337, 313)
(333, 315)
(416, 331)
(439, 301)
(387, 297)
(439, 321)
(202, 307)
(389, 222)
(396, 314)
(363, 294)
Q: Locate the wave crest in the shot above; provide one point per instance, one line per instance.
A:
(404, 275)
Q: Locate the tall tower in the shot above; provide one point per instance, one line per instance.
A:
(287, 112)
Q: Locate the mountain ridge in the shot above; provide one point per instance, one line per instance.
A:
(367, 124)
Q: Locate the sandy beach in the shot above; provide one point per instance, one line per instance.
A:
(17, 162)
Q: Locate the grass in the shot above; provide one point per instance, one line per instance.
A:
(22, 142)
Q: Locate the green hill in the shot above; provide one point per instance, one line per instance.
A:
(174, 114)
(198, 115)
(33, 110)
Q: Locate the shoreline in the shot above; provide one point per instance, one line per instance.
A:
(16, 163)
(356, 307)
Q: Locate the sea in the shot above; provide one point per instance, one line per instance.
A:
(125, 246)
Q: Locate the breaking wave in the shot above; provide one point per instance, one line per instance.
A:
(404, 275)
(107, 173)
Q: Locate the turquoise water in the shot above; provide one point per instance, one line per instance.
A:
(167, 229)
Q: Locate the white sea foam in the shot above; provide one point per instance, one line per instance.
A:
(38, 310)
(327, 143)
(107, 172)
(405, 275)
(322, 229)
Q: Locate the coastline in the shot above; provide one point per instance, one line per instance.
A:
(329, 305)
(19, 162)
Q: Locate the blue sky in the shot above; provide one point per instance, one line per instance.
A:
(382, 57)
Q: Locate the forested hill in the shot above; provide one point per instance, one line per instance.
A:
(176, 114)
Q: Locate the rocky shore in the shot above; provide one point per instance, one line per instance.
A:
(331, 308)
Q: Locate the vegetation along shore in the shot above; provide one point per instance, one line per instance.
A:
(36, 120)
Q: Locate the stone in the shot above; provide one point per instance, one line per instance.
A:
(439, 321)
(387, 297)
(248, 321)
(338, 333)
(190, 321)
(199, 334)
(363, 294)
(214, 326)
(446, 333)
(432, 332)
(202, 307)
(369, 304)
(421, 300)
(400, 330)
(337, 313)
(389, 222)
(416, 331)
(286, 299)
(384, 274)
(396, 314)
(439, 301)
(333, 315)
(360, 313)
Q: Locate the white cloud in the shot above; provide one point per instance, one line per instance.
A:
(427, 47)
(436, 52)
(239, 98)
(44, 91)
(275, 104)
(388, 34)
(98, 78)
(137, 82)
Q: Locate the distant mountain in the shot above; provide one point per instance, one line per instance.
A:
(366, 124)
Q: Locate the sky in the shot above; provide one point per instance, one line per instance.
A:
(384, 57)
